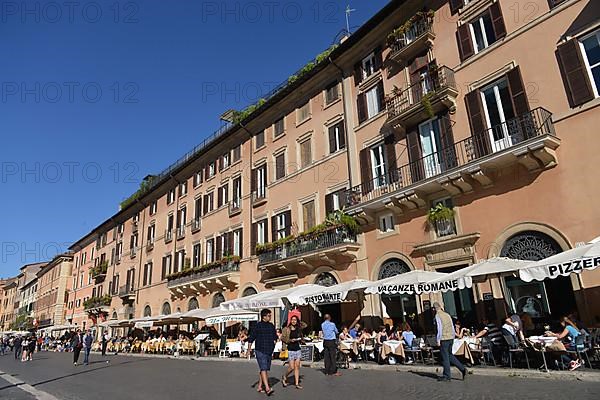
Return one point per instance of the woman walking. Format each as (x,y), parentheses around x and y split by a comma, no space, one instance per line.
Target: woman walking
(292,336)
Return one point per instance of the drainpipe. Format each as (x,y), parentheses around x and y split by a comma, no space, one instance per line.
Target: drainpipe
(346,126)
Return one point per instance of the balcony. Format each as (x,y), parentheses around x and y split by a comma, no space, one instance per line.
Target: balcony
(168,235)
(528,140)
(334,246)
(97,304)
(235,207)
(99,271)
(216,276)
(180,232)
(423,99)
(415,36)
(259,197)
(127,292)
(196,225)
(150,245)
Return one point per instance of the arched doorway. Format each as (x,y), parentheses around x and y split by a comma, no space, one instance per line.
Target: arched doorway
(401,307)
(539,299)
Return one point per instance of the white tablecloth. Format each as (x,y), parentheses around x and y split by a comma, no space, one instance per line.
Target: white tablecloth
(546,340)
(318,345)
(393,344)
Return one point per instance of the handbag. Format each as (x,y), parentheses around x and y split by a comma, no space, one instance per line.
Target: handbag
(283,355)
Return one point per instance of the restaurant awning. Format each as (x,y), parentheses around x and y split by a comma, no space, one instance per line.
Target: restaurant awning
(576,260)
(254,302)
(217,316)
(483,270)
(327,295)
(413,282)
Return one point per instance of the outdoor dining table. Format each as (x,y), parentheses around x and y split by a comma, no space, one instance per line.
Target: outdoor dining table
(394,347)
(463,348)
(349,345)
(546,344)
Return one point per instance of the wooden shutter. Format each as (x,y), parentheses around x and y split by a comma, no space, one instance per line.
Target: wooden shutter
(380,96)
(288,223)
(517,91)
(366,174)
(415,156)
(497,20)
(253,238)
(392,163)
(361,104)
(254,180)
(205,204)
(206,173)
(274,228)
(332,139)
(230,243)
(479,131)
(574,73)
(267,230)
(465,44)
(329,203)
(220,163)
(378,58)
(241,242)
(220,196)
(455,5)
(219,246)
(280,166)
(358,73)
(342,134)
(448,151)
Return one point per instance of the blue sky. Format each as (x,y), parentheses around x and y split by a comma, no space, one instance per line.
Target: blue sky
(96,95)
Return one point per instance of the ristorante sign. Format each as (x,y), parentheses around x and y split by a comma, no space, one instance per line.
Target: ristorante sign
(324,298)
(430,287)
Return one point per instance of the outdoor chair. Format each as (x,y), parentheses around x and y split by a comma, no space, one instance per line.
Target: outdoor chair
(515,347)
(581,347)
(431,349)
(223,347)
(368,349)
(415,350)
(343,358)
(486,351)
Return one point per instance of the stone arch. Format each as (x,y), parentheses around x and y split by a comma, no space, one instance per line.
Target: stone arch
(193,304)
(166,308)
(326,279)
(324,269)
(250,290)
(385,258)
(147,311)
(218,298)
(497,246)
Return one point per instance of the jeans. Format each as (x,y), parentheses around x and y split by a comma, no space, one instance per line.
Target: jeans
(330,353)
(86,356)
(104,345)
(18,351)
(449,358)
(76,351)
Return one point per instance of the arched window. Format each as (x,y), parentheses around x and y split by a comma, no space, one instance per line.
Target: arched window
(249,291)
(166,309)
(193,304)
(326,279)
(393,267)
(218,299)
(114,315)
(147,311)
(530,246)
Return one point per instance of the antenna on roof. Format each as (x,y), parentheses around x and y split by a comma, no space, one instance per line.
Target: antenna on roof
(348,11)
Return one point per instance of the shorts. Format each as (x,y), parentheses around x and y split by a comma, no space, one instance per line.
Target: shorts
(264,361)
(294,355)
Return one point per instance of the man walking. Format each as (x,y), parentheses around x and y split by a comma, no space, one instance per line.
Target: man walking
(330,333)
(105,338)
(445,339)
(17,347)
(264,336)
(88,340)
(77,345)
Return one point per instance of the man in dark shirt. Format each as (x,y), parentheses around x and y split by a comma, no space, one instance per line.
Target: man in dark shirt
(264,336)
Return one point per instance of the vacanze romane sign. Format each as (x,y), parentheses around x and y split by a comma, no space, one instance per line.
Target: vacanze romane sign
(418,287)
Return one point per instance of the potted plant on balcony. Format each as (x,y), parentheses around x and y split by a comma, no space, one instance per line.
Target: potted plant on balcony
(439,213)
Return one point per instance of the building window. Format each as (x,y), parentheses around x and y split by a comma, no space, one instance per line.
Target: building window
(378,165)
(151,234)
(237,242)
(303,113)
(308,215)
(386,223)
(236,196)
(210,250)
(197,179)
(373,106)
(332,93)
(153,207)
(369,65)
(261,232)
(259,140)
(591,50)
(170,223)
(196,255)
(223,195)
(280,166)
(335,201)
(259,182)
(147,274)
(337,137)
(182,189)
(180,261)
(171,196)
(211,169)
(237,153)
(225,160)
(305,153)
(498,109)
(166,266)
(482,32)
(279,127)
(446,226)
(209,202)
(281,227)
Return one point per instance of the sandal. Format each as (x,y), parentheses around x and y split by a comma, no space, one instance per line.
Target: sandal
(299,387)
(260,390)
(270,392)
(284,381)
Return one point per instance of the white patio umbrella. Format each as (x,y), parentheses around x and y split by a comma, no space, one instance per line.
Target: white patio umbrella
(254,302)
(413,282)
(327,295)
(481,271)
(176,318)
(217,316)
(577,260)
(291,294)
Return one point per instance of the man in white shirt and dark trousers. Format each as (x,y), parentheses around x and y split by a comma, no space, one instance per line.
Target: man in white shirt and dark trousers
(445,339)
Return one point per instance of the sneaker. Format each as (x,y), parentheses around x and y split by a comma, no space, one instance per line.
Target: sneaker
(464,372)
(410,362)
(574,365)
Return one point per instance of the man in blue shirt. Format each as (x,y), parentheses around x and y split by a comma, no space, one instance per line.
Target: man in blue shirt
(330,333)
(264,337)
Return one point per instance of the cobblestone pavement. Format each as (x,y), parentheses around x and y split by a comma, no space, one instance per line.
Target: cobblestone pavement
(52,376)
